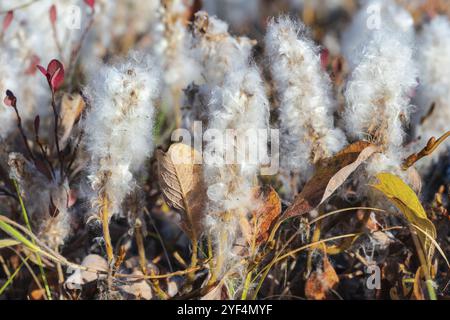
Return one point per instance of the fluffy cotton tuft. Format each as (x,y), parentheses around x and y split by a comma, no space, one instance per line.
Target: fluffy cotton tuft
(434,65)
(119,125)
(215,49)
(373,17)
(304,90)
(379,91)
(47,200)
(239,105)
(216,52)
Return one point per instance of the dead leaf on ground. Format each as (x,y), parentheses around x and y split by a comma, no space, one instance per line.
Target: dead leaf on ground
(138,289)
(181,182)
(80,277)
(330,174)
(321,282)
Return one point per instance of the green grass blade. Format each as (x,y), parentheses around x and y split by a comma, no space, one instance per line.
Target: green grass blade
(5,243)
(11,278)
(38,257)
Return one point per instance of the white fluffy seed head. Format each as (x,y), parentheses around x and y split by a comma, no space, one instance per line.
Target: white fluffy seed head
(216,53)
(373,17)
(433,56)
(379,91)
(306,107)
(215,49)
(119,125)
(238,107)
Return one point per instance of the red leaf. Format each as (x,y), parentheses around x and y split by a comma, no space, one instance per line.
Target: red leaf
(8,19)
(90,3)
(53,14)
(42,69)
(55,74)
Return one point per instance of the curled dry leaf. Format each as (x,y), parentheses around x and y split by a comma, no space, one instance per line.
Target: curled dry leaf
(267,212)
(182,185)
(71,107)
(330,174)
(320,282)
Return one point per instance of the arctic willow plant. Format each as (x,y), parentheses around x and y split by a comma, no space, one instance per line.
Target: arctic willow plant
(306,107)
(240,104)
(118,131)
(378,95)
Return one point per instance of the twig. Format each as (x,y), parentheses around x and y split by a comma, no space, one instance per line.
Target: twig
(44,153)
(56,120)
(74,153)
(13,101)
(427,150)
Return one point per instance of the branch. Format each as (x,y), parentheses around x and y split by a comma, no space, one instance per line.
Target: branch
(429,148)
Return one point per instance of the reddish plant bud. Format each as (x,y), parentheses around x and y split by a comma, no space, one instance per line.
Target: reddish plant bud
(8,19)
(324,58)
(54,74)
(90,3)
(10,99)
(53,14)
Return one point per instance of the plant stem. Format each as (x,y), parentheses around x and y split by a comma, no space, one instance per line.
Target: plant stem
(56,120)
(425,265)
(106,235)
(22,133)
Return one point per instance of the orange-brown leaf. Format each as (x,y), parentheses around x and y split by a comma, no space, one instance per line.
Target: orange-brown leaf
(319,283)
(330,174)
(267,213)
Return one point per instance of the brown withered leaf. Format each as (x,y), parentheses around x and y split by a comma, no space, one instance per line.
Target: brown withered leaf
(181,182)
(71,107)
(330,174)
(267,212)
(319,283)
